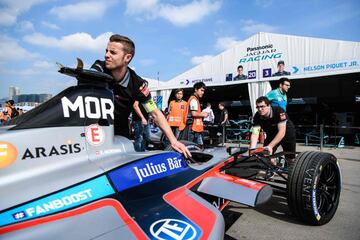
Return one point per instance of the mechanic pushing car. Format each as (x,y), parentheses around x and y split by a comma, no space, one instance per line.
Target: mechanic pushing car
(129,87)
(277,125)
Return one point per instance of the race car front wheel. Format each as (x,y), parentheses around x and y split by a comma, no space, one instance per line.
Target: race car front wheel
(314,187)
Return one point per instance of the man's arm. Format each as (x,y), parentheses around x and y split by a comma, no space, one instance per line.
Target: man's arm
(225,118)
(201,114)
(279,136)
(160,121)
(139,113)
(194,106)
(144,97)
(255,131)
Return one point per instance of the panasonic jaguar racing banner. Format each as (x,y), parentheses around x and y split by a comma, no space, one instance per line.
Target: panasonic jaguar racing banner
(267,56)
(72,197)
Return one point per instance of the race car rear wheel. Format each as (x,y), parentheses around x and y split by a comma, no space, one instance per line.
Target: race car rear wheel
(314,187)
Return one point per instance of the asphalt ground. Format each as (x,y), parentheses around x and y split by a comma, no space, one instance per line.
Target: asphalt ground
(273,220)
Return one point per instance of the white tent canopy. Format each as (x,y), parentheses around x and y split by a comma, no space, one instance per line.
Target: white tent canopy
(304,57)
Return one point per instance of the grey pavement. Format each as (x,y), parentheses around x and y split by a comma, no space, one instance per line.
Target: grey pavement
(274,221)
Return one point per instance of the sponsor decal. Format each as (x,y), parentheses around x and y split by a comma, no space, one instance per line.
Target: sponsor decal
(252,74)
(144,89)
(173,229)
(332,66)
(40,152)
(8,154)
(260,58)
(187,81)
(108,151)
(149,106)
(89,107)
(147,170)
(313,196)
(307,188)
(95,135)
(265,52)
(259,48)
(266,72)
(228,77)
(72,197)
(295,69)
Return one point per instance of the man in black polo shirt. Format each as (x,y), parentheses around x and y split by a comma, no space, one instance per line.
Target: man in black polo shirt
(128,87)
(277,125)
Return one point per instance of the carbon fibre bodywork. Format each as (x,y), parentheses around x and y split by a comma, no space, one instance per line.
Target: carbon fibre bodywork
(64,175)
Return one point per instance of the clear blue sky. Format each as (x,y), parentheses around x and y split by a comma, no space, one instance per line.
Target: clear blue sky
(171,36)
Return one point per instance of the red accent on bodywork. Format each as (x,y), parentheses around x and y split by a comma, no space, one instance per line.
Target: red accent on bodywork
(195,211)
(202,216)
(241,181)
(257,150)
(131,224)
(192,209)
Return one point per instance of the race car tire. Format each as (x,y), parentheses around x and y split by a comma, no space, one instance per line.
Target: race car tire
(313,187)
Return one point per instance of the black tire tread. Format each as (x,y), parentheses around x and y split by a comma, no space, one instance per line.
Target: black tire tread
(304,161)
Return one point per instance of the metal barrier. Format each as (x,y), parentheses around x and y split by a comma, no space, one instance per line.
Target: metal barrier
(315,135)
(320,136)
(212,131)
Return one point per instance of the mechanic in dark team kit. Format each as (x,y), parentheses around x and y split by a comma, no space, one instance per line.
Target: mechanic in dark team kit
(129,87)
(277,125)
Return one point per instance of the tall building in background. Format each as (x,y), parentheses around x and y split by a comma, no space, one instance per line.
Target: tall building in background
(13,91)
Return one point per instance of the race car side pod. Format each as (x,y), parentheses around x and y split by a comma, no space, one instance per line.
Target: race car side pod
(236,189)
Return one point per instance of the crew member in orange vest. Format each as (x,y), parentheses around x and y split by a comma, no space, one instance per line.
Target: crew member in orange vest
(193,125)
(177,110)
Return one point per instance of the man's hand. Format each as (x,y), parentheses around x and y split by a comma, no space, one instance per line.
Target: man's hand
(270,149)
(180,147)
(144,121)
(205,114)
(160,120)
